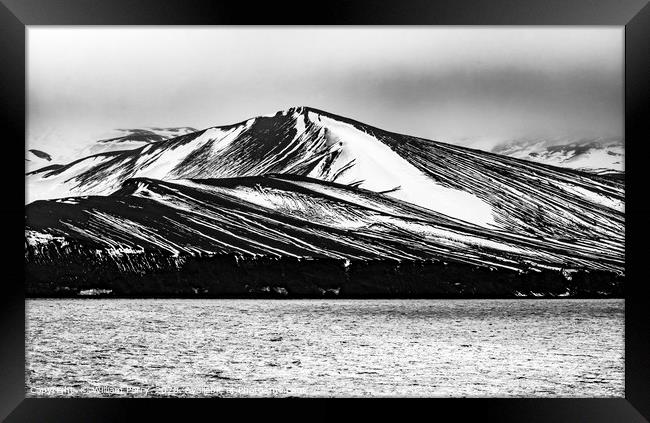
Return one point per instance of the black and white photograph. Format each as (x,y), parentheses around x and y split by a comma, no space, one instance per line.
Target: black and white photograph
(304,211)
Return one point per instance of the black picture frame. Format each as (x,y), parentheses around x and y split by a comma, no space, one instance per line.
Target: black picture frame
(15,15)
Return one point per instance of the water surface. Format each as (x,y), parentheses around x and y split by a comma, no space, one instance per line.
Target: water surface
(463,348)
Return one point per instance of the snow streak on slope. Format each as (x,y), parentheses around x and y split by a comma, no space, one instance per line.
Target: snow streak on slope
(362,158)
(527,198)
(287,217)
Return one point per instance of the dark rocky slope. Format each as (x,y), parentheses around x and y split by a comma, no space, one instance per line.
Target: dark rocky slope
(291,236)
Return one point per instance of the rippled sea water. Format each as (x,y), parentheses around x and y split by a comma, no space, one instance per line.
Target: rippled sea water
(434,348)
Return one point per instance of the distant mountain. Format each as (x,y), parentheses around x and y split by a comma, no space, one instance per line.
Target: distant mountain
(115,140)
(307,201)
(604,156)
(128,139)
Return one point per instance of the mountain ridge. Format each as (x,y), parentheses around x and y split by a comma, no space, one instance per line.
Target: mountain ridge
(316,149)
(411,217)
(599,155)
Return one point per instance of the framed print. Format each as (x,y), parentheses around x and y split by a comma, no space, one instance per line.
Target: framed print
(428,201)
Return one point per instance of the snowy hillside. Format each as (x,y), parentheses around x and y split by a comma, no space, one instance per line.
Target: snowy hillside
(150,225)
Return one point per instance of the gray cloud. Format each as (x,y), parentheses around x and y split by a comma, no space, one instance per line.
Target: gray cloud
(447,83)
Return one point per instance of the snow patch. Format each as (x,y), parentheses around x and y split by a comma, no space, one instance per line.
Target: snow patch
(379,169)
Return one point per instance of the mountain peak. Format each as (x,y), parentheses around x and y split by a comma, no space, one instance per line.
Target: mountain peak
(464,184)
(294,110)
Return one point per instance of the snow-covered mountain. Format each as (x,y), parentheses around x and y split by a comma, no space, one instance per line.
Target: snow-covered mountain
(304,184)
(604,156)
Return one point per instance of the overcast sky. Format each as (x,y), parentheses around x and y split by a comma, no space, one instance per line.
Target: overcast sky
(456,84)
